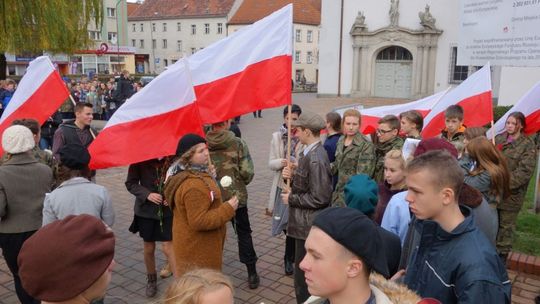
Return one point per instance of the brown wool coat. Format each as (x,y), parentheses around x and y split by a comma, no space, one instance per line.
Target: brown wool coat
(198,222)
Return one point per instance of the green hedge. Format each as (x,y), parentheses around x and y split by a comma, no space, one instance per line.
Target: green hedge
(499,111)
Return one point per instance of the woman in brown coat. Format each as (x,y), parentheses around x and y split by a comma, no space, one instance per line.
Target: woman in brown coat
(199,214)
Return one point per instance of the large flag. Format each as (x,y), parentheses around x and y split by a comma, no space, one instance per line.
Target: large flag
(371,116)
(529,105)
(247,71)
(473,94)
(150,123)
(39,94)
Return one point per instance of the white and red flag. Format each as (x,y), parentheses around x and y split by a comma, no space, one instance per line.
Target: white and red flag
(39,94)
(473,94)
(371,116)
(529,105)
(247,71)
(150,123)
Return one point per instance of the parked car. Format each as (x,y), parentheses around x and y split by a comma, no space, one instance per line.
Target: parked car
(146,80)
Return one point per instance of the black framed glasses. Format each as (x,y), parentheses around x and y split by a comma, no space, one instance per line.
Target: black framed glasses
(381,132)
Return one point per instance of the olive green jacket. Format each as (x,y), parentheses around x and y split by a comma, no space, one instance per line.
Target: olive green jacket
(381,149)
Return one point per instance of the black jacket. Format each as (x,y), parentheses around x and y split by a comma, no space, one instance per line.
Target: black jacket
(51,124)
(124,89)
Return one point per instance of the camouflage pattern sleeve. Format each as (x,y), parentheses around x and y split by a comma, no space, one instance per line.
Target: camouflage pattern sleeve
(366,160)
(524,168)
(246,169)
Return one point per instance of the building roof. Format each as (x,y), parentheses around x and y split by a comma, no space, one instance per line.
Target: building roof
(131,7)
(168,9)
(304,11)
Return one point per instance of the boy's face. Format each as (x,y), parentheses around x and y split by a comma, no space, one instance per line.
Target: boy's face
(325,264)
(351,125)
(10,87)
(385,132)
(301,134)
(425,199)
(452,124)
(407,126)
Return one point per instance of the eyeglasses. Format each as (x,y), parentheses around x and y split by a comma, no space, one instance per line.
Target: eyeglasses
(381,132)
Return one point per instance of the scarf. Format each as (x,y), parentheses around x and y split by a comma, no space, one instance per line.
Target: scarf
(294,141)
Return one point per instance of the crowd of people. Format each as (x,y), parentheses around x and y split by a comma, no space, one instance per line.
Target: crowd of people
(363,223)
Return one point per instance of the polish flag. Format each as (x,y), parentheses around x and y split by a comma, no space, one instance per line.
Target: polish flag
(150,123)
(529,105)
(473,94)
(247,71)
(371,116)
(39,94)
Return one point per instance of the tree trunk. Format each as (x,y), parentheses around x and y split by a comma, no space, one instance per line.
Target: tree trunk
(3,66)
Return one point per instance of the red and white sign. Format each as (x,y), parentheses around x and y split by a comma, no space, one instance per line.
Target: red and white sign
(529,105)
(39,94)
(247,71)
(473,94)
(150,123)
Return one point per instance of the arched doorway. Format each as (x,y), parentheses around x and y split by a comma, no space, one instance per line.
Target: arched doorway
(393,73)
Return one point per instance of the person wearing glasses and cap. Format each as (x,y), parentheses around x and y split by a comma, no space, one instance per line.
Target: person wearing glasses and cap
(387,140)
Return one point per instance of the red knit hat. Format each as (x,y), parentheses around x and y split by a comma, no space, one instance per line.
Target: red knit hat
(65,257)
(435,143)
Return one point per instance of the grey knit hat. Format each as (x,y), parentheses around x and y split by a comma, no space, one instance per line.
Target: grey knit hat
(17,139)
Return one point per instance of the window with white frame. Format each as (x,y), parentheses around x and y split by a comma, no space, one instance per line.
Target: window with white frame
(153,27)
(153,43)
(141,43)
(207,28)
(179,45)
(193,29)
(142,27)
(458,73)
(111,12)
(297,56)
(309,37)
(164,43)
(133,43)
(164,27)
(298,35)
(309,57)
(178,26)
(134,28)
(220,28)
(111,36)
(94,35)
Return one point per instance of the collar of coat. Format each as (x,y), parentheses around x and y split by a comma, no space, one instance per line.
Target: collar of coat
(21,158)
(74,181)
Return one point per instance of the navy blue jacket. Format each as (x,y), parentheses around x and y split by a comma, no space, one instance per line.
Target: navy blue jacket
(461,266)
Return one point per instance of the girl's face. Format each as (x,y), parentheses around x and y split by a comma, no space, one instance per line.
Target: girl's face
(394,173)
(294,117)
(512,126)
(406,126)
(201,155)
(222,295)
(351,124)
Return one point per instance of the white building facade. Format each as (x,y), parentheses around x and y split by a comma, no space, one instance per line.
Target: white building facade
(401,49)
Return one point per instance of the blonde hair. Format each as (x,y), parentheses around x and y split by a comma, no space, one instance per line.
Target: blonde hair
(396,155)
(190,287)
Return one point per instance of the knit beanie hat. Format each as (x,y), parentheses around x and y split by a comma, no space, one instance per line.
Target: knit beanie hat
(187,141)
(74,156)
(435,143)
(64,258)
(361,193)
(17,139)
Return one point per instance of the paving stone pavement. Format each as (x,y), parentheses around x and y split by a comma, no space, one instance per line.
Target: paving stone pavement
(129,278)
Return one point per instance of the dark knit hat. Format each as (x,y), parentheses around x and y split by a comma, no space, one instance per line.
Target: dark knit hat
(361,193)
(187,142)
(356,232)
(65,257)
(74,156)
(435,143)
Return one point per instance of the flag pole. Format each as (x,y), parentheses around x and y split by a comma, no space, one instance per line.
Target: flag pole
(289,110)
(492,133)
(72,100)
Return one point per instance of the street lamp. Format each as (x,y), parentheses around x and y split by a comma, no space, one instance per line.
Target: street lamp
(117,37)
(152,44)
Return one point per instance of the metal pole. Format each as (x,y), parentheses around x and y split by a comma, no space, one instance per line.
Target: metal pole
(117,37)
(537,187)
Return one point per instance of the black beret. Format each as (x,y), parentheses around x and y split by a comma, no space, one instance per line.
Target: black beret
(74,156)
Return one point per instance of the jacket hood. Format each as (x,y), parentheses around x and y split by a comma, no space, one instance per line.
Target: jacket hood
(219,140)
(174,182)
(470,196)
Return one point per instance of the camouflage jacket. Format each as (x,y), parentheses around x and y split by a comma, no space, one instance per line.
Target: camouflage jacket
(230,156)
(380,151)
(458,136)
(357,158)
(521,157)
(41,156)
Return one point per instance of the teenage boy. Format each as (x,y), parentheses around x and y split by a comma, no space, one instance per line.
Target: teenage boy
(453,119)
(311,190)
(387,139)
(339,260)
(454,262)
(412,123)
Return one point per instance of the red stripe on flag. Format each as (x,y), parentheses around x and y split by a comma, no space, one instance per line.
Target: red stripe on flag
(532,121)
(143,139)
(265,84)
(478,111)
(47,98)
